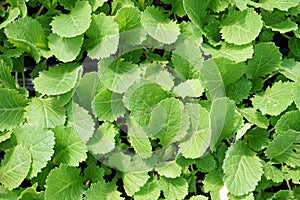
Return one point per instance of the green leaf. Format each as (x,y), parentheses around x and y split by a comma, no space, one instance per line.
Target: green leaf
(15,167)
(39,142)
(241,4)
(81,121)
(213,184)
(255,117)
(138,139)
(13,14)
(6,79)
(239,90)
(236,53)
(5,136)
(30,193)
(108,106)
(175,188)
(103,140)
(257,139)
(290,69)
(75,23)
(140,98)
(189,88)
(157,73)
(279,4)
(134,181)
(196,11)
(28,35)
(169,169)
(275,99)
(230,71)
(103,36)
(218,6)
(69,149)
(197,140)
(103,191)
(119,75)
(149,191)
(88,87)
(294,45)
(290,120)
(296,94)
(57,80)
(273,173)
(242,169)
(265,60)
(241,27)
(44,113)
(94,173)
(130,26)
(285,148)
(11,109)
(158,26)
(64,182)
(173,111)
(65,49)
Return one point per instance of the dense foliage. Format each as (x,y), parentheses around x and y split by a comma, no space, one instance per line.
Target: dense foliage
(171,99)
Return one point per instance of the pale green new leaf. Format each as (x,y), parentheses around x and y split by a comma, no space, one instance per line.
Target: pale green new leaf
(241,27)
(273,173)
(5,135)
(134,181)
(242,169)
(103,191)
(108,106)
(241,4)
(65,49)
(130,26)
(15,167)
(218,6)
(13,13)
(236,53)
(158,26)
(44,113)
(296,94)
(279,4)
(12,106)
(75,23)
(169,169)
(174,188)
(103,36)
(57,80)
(255,117)
(119,75)
(139,99)
(290,69)
(103,140)
(69,149)
(285,148)
(189,88)
(138,139)
(265,60)
(63,183)
(197,140)
(149,191)
(199,197)
(81,121)
(39,142)
(28,35)
(275,99)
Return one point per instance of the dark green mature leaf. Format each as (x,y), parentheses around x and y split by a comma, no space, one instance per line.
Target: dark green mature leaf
(213,184)
(294,45)
(290,120)
(75,23)
(64,182)
(6,79)
(15,167)
(12,106)
(285,148)
(239,90)
(242,169)
(196,11)
(265,60)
